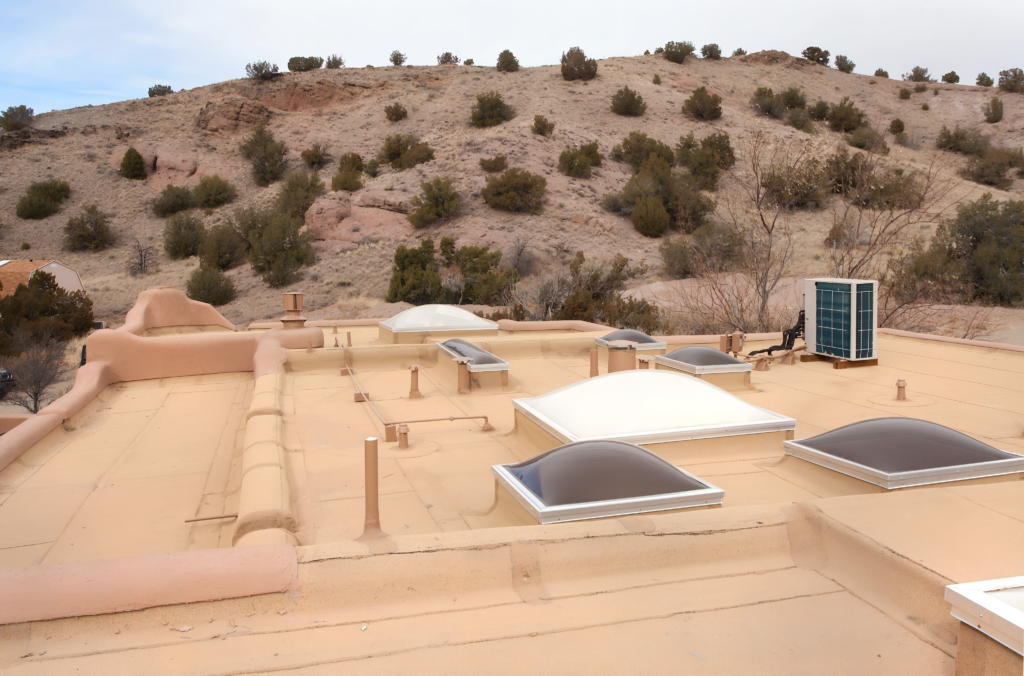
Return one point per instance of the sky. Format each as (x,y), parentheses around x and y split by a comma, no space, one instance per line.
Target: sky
(62,54)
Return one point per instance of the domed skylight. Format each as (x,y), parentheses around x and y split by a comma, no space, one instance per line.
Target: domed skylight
(592,479)
(643,341)
(480,359)
(898,452)
(698,360)
(437,318)
(646,406)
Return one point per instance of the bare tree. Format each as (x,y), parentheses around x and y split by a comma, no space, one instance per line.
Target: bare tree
(37,370)
(141,259)
(519,256)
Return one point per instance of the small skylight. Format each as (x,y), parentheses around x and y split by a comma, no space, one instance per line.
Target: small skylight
(995,607)
(480,359)
(437,318)
(646,406)
(594,479)
(643,341)
(900,452)
(698,360)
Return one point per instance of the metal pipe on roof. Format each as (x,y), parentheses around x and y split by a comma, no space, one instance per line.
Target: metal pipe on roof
(487,427)
(371,524)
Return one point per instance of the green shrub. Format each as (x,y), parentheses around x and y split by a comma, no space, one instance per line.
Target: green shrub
(415,277)
(629,103)
(396,146)
(993,110)
(637,147)
(542,126)
(844,116)
(438,201)
(25,246)
(800,118)
(515,190)
(704,161)
(592,153)
(882,73)
(418,154)
(160,90)
(951,77)
(132,165)
(657,79)
(904,93)
(1012,80)
(711,51)
(334,62)
(816,55)
(210,285)
(984,241)
(917,74)
(867,138)
(15,118)
(767,103)
(278,246)
(89,231)
(491,110)
(495,164)
(739,51)
(574,163)
(173,199)
(397,58)
(968,142)
(703,106)
(720,148)
(795,187)
(925,106)
(301,64)
(703,166)
(677,258)
(213,191)
(372,168)
(844,64)
(920,87)
(649,216)
(507,62)
(261,71)
(717,248)
(576,65)
(42,199)
(448,59)
(659,50)
(316,156)
(676,52)
(990,169)
(818,111)
(395,112)
(902,139)
(984,80)
(266,154)
(298,193)
(896,126)
(183,235)
(351,162)
(222,248)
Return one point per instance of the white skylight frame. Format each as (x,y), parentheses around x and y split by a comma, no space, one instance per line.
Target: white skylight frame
(695,370)
(973,603)
(702,392)
(892,480)
(446,318)
(710,495)
(476,368)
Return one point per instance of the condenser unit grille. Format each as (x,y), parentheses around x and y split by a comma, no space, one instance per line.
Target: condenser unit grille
(865,321)
(833,319)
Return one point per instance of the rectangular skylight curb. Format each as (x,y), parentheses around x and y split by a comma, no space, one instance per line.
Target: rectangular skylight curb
(972,604)
(436,329)
(701,370)
(476,368)
(712,495)
(893,480)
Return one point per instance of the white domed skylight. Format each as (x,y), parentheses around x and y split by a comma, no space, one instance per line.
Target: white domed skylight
(646,406)
(437,318)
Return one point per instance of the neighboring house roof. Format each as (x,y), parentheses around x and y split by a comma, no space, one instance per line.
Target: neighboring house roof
(15,272)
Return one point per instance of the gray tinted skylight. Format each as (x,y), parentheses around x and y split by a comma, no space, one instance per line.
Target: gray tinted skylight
(643,341)
(591,479)
(480,359)
(897,452)
(698,359)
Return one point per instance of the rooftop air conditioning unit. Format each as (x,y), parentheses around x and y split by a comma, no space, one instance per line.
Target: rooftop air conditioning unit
(841,318)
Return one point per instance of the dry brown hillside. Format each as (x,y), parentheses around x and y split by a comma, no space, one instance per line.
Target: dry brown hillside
(197,132)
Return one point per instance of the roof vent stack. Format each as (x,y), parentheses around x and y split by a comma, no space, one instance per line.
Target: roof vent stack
(293,318)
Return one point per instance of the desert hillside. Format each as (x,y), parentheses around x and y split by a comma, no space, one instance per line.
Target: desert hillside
(190,134)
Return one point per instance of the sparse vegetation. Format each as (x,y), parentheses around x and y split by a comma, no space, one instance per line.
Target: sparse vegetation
(920,87)
(844,65)
(89,231)
(844,116)
(628,103)
(984,80)
(141,259)
(702,105)
(739,51)
(301,64)
(712,51)
(173,199)
(468,62)
(816,55)
(542,126)
(574,162)
(494,164)
(657,79)
(767,102)
(397,58)
(448,59)
(210,285)
(351,162)
(334,62)
(993,110)
(405,152)
(1012,80)
(917,74)
(160,90)
(507,62)
(261,71)
(515,190)
(316,156)
(438,200)
(395,112)
(818,111)
(576,65)
(42,199)
(925,107)
(183,235)
(222,248)
(491,110)
(132,166)
(951,77)
(266,154)
(867,138)
(348,180)
(372,168)
(904,93)
(637,147)
(298,193)
(15,118)
(676,52)
(879,72)
(896,126)
(213,191)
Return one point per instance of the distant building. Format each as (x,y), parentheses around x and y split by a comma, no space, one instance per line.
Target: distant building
(13,273)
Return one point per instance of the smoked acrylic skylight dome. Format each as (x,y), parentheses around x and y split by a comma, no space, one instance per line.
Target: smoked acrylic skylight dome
(645,406)
(479,359)
(434,319)
(594,479)
(642,340)
(900,452)
(698,360)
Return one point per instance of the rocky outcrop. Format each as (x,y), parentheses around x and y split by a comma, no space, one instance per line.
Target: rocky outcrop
(327,213)
(389,200)
(232,114)
(15,139)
